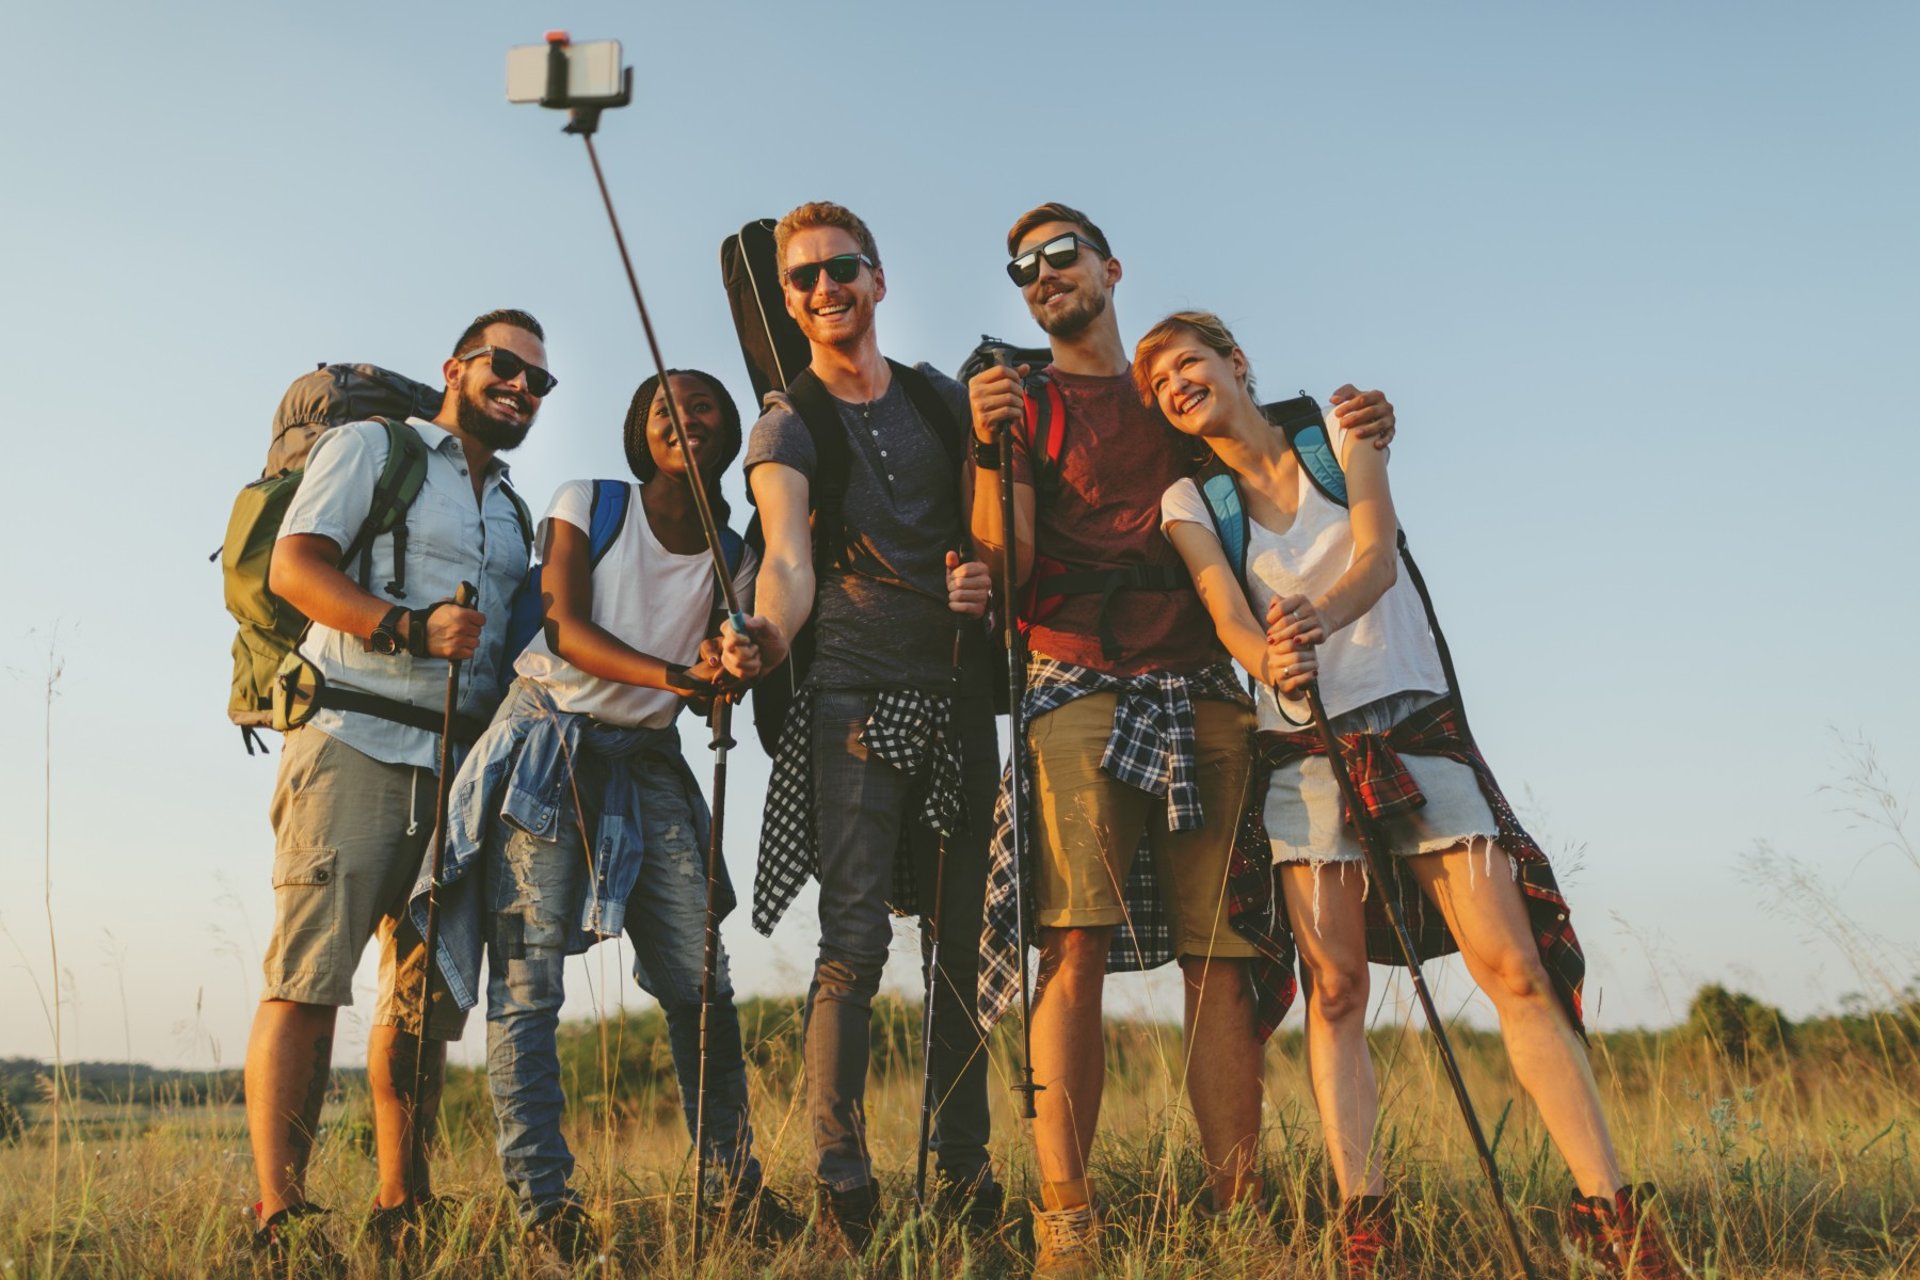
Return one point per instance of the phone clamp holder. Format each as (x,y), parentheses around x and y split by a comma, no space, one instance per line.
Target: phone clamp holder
(584,113)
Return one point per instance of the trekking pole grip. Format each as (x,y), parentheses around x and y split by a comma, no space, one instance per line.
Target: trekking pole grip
(467,595)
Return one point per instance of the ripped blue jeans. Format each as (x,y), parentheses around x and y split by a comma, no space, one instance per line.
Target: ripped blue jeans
(534,897)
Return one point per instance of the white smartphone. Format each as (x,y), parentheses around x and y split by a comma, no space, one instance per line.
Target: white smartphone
(593,71)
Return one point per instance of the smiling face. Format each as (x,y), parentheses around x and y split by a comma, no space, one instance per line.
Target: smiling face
(1065,300)
(831,314)
(702,415)
(1197,388)
(497,411)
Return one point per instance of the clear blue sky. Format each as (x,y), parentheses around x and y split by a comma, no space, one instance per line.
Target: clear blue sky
(1640,278)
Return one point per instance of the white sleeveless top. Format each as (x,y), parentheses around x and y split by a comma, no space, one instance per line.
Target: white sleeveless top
(651,598)
(1387,650)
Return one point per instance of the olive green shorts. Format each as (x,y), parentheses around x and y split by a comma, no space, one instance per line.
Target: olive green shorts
(1089,824)
(349,834)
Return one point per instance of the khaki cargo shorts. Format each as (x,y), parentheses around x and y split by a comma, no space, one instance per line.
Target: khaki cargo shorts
(343,864)
(1089,825)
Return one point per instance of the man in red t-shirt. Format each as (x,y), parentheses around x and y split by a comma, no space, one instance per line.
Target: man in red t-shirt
(1139,730)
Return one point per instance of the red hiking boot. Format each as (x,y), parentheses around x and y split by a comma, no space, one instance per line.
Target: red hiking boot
(1619,1235)
(1369,1228)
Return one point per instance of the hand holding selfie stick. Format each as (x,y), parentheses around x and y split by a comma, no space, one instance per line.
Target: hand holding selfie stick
(1379,865)
(585,121)
(720,718)
(933,981)
(1016,739)
(466,597)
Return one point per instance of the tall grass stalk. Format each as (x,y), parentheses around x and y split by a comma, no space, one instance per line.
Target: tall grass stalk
(55,666)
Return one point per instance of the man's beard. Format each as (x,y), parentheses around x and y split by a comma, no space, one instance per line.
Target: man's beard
(863,315)
(490,431)
(1074,321)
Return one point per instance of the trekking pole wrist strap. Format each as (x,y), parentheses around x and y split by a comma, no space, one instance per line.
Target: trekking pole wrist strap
(417,629)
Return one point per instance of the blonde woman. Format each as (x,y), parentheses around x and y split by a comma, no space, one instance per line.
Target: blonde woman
(1322,597)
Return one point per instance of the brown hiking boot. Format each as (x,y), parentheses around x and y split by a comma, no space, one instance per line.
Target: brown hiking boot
(1066,1243)
(1621,1237)
(1369,1231)
(293,1243)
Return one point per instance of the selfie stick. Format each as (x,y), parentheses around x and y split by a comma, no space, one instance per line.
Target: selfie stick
(1016,743)
(585,120)
(1380,866)
(465,597)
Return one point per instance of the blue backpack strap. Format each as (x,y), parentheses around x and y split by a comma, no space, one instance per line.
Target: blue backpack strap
(1306,430)
(606,516)
(734,548)
(1221,490)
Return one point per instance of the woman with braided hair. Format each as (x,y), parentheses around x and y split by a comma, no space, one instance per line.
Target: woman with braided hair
(587,820)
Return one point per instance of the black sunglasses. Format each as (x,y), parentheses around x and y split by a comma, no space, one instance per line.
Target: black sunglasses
(1060,253)
(508,366)
(841,269)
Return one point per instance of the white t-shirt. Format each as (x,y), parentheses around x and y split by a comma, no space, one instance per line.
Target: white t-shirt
(644,595)
(1388,649)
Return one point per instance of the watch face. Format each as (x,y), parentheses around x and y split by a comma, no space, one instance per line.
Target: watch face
(385,642)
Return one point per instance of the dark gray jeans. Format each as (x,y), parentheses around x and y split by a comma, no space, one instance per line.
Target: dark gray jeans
(864,806)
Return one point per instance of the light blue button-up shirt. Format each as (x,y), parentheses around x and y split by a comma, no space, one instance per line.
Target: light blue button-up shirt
(451,539)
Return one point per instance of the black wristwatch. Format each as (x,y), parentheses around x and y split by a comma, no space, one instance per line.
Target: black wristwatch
(986,454)
(387,639)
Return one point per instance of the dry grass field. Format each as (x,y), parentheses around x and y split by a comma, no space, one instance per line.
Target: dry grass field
(1780,1152)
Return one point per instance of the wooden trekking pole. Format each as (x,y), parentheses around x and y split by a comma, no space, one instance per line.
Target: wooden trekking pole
(1380,866)
(466,597)
(1016,743)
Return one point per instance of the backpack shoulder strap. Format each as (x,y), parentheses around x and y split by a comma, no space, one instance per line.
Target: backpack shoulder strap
(832,467)
(734,548)
(1046,432)
(1220,489)
(522,515)
(398,484)
(932,409)
(1306,431)
(606,515)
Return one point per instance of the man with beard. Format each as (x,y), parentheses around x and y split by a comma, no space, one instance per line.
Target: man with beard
(353,804)
(884,747)
(1137,732)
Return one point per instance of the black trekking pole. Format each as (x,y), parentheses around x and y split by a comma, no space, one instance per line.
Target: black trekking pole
(720,718)
(1016,743)
(466,597)
(1380,866)
(933,983)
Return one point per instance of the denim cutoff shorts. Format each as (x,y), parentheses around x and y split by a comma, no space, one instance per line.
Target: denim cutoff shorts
(1306,819)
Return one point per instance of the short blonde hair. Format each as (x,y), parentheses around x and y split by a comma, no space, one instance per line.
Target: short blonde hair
(1209,328)
(822,213)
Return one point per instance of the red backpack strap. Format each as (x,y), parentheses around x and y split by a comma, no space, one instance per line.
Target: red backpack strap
(1046,426)
(1046,433)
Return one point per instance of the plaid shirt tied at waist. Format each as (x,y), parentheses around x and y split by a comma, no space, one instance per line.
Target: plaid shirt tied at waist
(910,730)
(1152,748)
(1385,787)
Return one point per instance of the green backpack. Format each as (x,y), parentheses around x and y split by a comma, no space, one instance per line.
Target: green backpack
(270,630)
